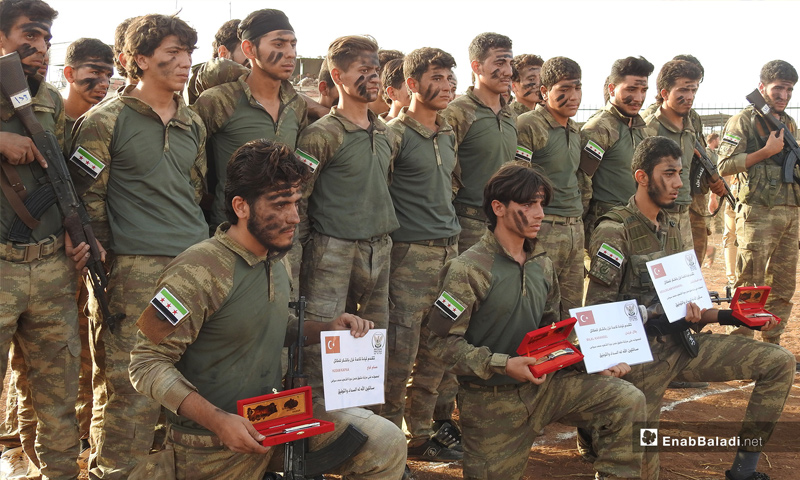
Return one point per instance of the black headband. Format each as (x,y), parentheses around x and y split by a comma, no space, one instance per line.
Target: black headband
(265,25)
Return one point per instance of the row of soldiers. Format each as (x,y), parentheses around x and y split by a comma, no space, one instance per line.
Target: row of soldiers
(385,207)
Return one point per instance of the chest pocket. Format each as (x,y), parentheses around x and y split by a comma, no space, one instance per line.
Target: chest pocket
(641,285)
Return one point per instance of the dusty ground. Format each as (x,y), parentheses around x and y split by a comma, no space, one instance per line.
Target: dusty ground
(553,455)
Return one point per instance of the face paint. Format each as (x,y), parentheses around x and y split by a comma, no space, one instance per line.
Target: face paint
(628,100)
(431,93)
(361,86)
(681,100)
(561,100)
(496,73)
(530,88)
(89,84)
(520,221)
(274,57)
(26,50)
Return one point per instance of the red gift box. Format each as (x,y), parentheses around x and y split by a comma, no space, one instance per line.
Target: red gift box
(748,306)
(284,416)
(546,340)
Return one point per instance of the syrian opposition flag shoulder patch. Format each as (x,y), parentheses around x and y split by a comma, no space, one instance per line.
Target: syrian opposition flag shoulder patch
(87,162)
(731,139)
(610,255)
(169,306)
(449,306)
(308,159)
(594,150)
(523,154)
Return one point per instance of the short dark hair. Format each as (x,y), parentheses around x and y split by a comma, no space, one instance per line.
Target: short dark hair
(479,46)
(516,181)
(392,76)
(417,62)
(778,70)
(557,69)
(258,167)
(522,61)
(672,71)
(227,36)
(345,50)
(146,33)
(637,67)
(11,10)
(692,59)
(711,136)
(119,44)
(385,56)
(86,49)
(651,150)
(325,74)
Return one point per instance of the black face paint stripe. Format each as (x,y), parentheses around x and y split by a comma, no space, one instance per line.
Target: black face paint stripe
(26,50)
(496,73)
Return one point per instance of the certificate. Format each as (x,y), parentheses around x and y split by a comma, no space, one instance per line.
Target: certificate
(611,333)
(678,281)
(353,369)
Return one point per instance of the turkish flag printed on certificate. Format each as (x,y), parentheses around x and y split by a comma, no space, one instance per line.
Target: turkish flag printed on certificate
(332,345)
(658,271)
(585,318)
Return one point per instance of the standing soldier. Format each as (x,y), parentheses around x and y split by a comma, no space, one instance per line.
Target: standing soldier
(485,129)
(149,148)
(228,62)
(421,189)
(552,136)
(525,82)
(766,221)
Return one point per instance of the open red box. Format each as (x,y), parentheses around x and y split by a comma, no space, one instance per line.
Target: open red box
(547,340)
(284,416)
(748,305)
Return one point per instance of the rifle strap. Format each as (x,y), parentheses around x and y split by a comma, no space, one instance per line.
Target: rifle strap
(15,192)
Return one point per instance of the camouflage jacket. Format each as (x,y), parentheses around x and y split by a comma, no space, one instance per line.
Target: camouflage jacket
(519,108)
(190,336)
(216,71)
(488,303)
(685,137)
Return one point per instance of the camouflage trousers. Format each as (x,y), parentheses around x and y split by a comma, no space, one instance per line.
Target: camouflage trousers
(681,215)
(473,226)
(413,288)
(771,366)
(564,243)
(699,225)
(498,427)
(729,243)
(383,457)
(343,276)
(596,210)
(123,420)
(38,311)
(768,243)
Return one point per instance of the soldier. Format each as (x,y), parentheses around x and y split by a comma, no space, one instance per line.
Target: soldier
(485,128)
(610,136)
(380,106)
(395,92)
(261,104)
(552,136)
(328,95)
(144,204)
(228,63)
(525,82)
(728,215)
(88,68)
(39,281)
(346,257)
(766,221)
(422,176)
(644,230)
(198,366)
(119,52)
(499,290)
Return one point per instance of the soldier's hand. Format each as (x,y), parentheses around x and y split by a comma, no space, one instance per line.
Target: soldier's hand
(19,150)
(517,368)
(358,326)
(713,203)
(717,187)
(238,434)
(774,143)
(619,370)
(771,323)
(81,253)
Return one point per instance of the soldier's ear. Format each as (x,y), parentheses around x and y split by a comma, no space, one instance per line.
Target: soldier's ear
(498,208)
(664,93)
(762,89)
(240,207)
(249,49)
(641,177)
(476,67)
(336,75)
(543,91)
(69,73)
(611,89)
(412,84)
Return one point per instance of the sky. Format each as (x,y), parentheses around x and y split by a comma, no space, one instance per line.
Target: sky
(721,34)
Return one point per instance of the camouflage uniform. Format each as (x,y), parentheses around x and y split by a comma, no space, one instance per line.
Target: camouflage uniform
(421,186)
(767,214)
(144,209)
(557,150)
(609,139)
(632,234)
(519,108)
(214,72)
(501,301)
(485,140)
(232,118)
(346,259)
(37,294)
(221,287)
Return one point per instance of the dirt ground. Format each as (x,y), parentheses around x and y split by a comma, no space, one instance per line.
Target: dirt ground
(553,455)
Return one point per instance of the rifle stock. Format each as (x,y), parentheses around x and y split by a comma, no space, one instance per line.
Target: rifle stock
(765,112)
(76,221)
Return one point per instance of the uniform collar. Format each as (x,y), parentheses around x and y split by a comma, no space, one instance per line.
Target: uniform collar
(663,218)
(182,118)
(551,121)
(376,123)
(221,235)
(287,92)
(638,121)
(421,129)
(533,248)
(687,124)
(505,109)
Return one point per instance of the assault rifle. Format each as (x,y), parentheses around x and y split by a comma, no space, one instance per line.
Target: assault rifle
(299,463)
(59,189)
(765,112)
(709,169)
